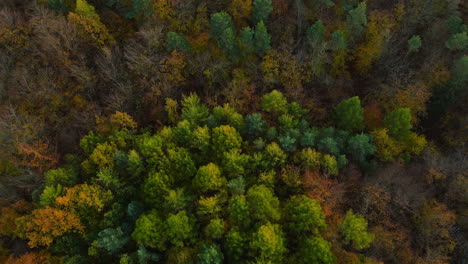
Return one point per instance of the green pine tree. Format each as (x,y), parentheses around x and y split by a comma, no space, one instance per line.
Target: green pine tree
(261,39)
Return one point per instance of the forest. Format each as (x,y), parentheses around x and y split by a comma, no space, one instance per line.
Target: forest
(233,131)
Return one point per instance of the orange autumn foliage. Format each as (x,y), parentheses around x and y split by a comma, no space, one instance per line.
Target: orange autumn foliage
(37,155)
(416,96)
(345,257)
(280,6)
(84,198)
(378,204)
(41,257)
(329,192)
(200,43)
(45,225)
(390,236)
(390,241)
(373,116)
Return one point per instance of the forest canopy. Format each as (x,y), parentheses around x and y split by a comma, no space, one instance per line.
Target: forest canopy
(233,131)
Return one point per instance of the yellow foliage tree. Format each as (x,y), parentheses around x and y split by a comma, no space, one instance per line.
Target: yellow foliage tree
(103,155)
(377,30)
(270,67)
(84,9)
(163,9)
(415,143)
(117,121)
(45,225)
(171,109)
(92,29)
(90,25)
(386,147)
(339,66)
(84,199)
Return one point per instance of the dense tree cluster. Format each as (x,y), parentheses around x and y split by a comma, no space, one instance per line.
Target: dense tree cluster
(201,190)
(240,131)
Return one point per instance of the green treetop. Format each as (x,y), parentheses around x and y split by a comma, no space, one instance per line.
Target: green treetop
(273,156)
(349,115)
(201,139)
(227,115)
(49,194)
(457,41)
(329,164)
(150,230)
(112,239)
(219,23)
(398,123)
(141,8)
(354,231)
(304,215)
(316,34)
(210,254)
(357,19)
(261,39)
(235,245)
(225,138)
(263,203)
(255,125)
(235,163)
(275,103)
(315,250)
(268,244)
(228,44)
(180,229)
(63,176)
(215,229)
(176,41)
(156,187)
(208,178)
(455,25)
(261,10)
(239,211)
(247,39)
(193,110)
(338,40)
(360,147)
(414,43)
